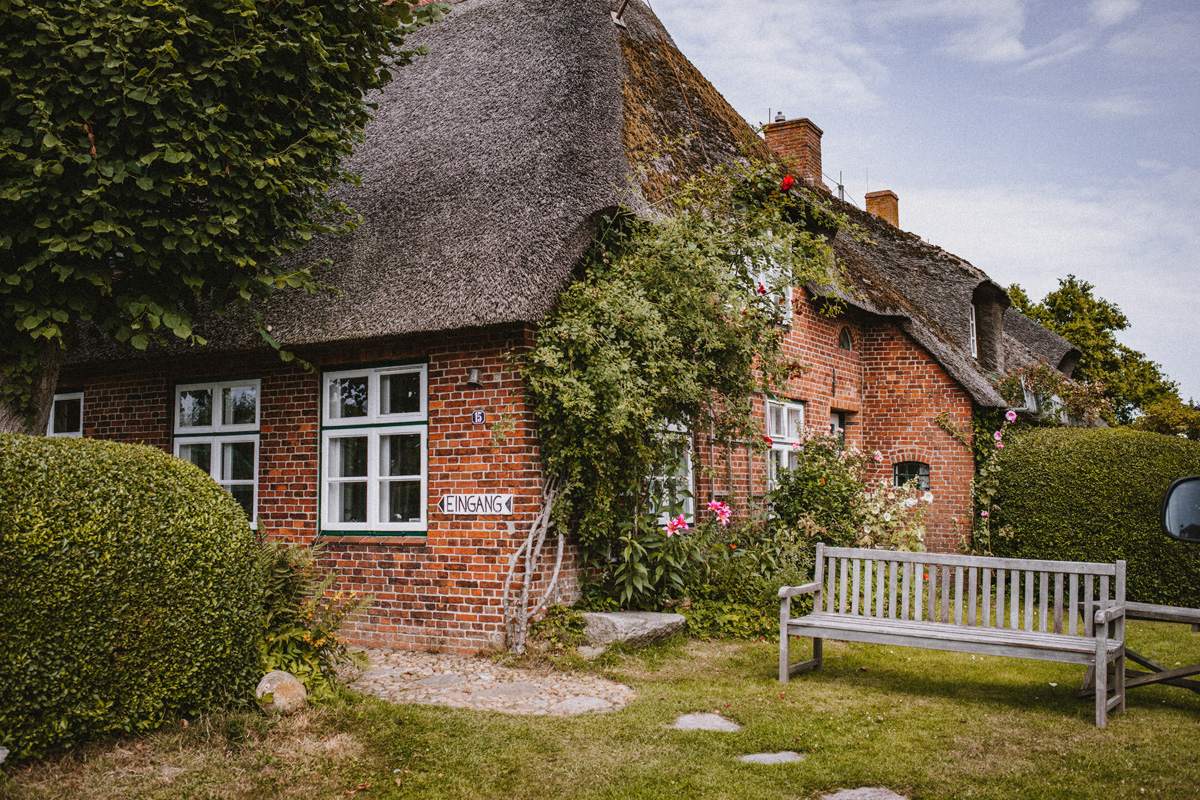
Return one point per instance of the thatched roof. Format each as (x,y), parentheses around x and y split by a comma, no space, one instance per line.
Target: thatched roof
(1027,342)
(492,160)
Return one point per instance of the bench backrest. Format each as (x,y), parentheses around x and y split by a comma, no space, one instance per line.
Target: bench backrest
(966,590)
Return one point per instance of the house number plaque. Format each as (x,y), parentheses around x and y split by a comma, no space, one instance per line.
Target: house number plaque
(476,504)
(478,417)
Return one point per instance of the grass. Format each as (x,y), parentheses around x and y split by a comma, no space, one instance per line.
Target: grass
(922,723)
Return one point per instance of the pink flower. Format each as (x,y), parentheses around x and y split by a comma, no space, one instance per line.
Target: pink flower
(676,525)
(983,514)
(722,510)
(788,180)
(878,457)
(999,445)
(997,435)
(1011,416)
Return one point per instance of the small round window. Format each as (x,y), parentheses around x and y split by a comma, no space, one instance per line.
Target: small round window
(845,341)
(905,471)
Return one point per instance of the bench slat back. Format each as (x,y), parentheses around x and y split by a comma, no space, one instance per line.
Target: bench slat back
(966,590)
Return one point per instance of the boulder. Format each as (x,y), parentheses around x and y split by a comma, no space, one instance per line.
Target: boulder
(634,628)
(282,692)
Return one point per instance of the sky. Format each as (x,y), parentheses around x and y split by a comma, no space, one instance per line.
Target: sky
(1034,138)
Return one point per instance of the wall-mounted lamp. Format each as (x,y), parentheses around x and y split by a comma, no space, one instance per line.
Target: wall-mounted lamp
(473,379)
(616,15)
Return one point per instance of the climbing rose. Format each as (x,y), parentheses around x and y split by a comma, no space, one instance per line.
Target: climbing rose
(761,289)
(1011,416)
(769,440)
(676,525)
(788,180)
(983,514)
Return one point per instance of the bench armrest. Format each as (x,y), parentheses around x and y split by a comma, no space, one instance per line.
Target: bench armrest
(792,591)
(1106,615)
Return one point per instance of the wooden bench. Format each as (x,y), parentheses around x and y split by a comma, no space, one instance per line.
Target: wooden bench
(957,602)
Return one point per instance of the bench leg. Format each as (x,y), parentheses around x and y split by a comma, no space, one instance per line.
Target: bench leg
(1101,674)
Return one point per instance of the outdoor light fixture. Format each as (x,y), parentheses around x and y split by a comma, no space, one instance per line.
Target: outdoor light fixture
(779,117)
(616,15)
(473,379)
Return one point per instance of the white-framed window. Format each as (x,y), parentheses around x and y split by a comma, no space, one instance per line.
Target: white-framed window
(784,422)
(217,429)
(374,448)
(675,491)
(769,282)
(66,415)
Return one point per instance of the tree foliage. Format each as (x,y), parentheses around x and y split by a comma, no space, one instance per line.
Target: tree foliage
(154,156)
(1131,381)
(674,320)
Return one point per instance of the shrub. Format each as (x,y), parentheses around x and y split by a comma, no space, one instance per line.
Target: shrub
(129,591)
(302,615)
(1095,495)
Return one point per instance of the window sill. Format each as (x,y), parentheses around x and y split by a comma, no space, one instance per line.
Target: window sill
(393,541)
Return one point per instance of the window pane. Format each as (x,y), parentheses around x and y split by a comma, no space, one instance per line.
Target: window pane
(905,471)
(348,397)
(349,502)
(68,415)
(244,494)
(401,501)
(239,405)
(198,454)
(237,461)
(795,421)
(400,394)
(349,457)
(401,455)
(195,408)
(776,420)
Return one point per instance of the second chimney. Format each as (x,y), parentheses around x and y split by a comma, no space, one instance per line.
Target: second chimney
(885,205)
(798,141)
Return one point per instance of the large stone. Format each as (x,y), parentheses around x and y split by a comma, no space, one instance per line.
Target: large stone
(287,692)
(865,793)
(634,628)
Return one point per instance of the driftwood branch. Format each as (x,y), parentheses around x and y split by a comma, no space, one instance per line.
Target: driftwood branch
(517,616)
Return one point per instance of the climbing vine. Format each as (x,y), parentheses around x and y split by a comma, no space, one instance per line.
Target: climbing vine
(675,319)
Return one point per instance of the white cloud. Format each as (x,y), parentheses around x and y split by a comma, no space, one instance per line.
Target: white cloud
(1135,241)
(1111,12)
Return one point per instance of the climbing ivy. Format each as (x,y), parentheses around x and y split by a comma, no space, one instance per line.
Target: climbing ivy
(675,319)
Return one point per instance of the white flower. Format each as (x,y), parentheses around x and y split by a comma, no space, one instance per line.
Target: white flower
(909,502)
(928,497)
(887,517)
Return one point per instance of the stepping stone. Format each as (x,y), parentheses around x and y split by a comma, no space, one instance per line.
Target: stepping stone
(705,722)
(510,691)
(442,679)
(580,704)
(786,757)
(865,793)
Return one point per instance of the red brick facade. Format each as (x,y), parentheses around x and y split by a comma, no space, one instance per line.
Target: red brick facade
(443,589)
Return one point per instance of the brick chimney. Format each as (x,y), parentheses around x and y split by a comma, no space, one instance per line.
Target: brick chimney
(798,141)
(885,205)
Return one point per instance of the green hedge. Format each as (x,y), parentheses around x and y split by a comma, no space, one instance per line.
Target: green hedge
(129,593)
(1095,495)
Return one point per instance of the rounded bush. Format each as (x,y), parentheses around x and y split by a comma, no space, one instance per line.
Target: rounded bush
(129,592)
(1095,495)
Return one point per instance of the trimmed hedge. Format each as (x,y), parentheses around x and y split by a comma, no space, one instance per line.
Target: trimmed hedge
(1095,495)
(129,592)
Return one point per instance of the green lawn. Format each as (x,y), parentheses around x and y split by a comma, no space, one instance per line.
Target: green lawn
(924,724)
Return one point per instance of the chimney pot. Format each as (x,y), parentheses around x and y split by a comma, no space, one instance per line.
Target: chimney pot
(779,117)
(885,205)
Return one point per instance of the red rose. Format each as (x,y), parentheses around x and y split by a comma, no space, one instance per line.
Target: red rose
(768,440)
(788,180)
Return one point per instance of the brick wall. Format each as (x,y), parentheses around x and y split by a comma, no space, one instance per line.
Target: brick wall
(890,391)
(798,141)
(438,590)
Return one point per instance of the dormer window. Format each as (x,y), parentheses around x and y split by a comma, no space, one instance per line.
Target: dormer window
(974,334)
